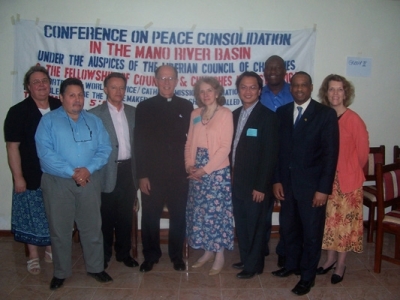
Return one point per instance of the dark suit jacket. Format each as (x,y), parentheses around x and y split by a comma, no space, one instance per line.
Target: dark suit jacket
(308,153)
(20,126)
(256,156)
(160,137)
(109,171)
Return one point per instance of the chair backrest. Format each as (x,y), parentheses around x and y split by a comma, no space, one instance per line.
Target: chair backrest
(396,153)
(376,155)
(387,186)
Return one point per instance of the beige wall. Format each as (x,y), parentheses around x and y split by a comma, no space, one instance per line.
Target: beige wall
(368,28)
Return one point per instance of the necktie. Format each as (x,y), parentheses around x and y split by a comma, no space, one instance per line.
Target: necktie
(299,108)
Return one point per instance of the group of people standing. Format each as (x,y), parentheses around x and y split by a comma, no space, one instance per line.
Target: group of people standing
(211,167)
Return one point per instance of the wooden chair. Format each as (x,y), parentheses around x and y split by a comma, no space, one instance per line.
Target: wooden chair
(388,191)
(164,233)
(396,153)
(376,155)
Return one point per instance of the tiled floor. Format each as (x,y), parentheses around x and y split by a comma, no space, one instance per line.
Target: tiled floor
(360,282)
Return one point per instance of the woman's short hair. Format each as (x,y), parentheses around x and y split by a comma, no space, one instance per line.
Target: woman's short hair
(33,69)
(219,89)
(347,87)
(70,81)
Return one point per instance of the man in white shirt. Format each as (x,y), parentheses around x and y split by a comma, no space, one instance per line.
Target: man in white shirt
(117,177)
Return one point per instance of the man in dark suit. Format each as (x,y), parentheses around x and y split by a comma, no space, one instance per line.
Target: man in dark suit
(162,123)
(309,146)
(253,156)
(117,176)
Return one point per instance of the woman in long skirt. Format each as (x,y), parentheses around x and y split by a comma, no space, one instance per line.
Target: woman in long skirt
(209,215)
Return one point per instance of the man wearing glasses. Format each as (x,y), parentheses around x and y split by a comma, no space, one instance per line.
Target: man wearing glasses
(72,146)
(117,177)
(162,123)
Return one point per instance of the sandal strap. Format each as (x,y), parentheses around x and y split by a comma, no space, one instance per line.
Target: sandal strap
(33,264)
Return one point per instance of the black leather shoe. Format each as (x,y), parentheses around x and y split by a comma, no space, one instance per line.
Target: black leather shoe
(147,265)
(303,287)
(247,275)
(102,277)
(129,262)
(281,261)
(337,278)
(284,272)
(322,271)
(238,266)
(179,265)
(56,283)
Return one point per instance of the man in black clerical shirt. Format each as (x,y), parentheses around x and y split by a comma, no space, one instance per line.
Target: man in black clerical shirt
(162,123)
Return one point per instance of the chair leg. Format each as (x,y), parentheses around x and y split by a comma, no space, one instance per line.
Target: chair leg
(397,248)
(75,234)
(371,221)
(378,251)
(134,235)
(186,249)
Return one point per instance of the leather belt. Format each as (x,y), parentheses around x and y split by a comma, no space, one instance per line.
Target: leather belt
(123,161)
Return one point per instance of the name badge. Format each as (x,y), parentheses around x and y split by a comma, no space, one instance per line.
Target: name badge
(251,132)
(197,120)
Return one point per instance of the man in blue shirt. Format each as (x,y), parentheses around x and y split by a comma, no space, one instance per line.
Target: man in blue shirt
(275,93)
(72,145)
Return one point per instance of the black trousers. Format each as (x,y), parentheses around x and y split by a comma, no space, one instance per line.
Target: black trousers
(117,212)
(302,228)
(250,223)
(173,192)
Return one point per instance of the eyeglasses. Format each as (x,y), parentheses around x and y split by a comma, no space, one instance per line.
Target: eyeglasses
(252,88)
(38,81)
(73,134)
(166,78)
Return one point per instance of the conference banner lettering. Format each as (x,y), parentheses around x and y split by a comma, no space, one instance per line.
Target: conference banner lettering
(90,53)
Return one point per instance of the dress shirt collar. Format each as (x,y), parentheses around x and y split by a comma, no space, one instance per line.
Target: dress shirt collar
(113,108)
(249,109)
(304,106)
(166,99)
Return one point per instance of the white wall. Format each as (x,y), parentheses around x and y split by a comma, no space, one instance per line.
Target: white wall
(368,28)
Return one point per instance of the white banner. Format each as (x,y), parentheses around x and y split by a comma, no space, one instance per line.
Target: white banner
(91,53)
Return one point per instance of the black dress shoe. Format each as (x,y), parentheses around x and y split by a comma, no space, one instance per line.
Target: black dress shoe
(281,261)
(284,272)
(247,275)
(321,270)
(238,266)
(56,283)
(337,278)
(102,277)
(303,287)
(179,265)
(147,265)
(129,262)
